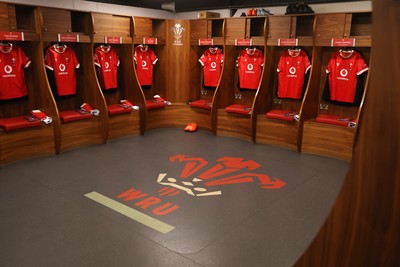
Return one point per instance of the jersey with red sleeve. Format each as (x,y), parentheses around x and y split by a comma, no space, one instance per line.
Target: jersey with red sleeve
(107,61)
(342,75)
(12,77)
(62,61)
(292,68)
(212,60)
(250,63)
(144,58)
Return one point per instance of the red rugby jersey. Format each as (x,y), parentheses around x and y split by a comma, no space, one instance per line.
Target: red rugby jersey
(250,63)
(62,61)
(107,61)
(292,68)
(211,60)
(12,77)
(144,58)
(342,75)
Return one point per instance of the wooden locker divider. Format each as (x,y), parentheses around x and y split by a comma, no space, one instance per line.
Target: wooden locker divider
(327,139)
(281,29)
(231,124)
(202,30)
(79,133)
(120,28)
(37,141)
(167,74)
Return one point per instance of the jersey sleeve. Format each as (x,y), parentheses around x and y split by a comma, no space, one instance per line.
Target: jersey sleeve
(307,63)
(261,59)
(329,67)
(116,58)
(203,59)
(281,65)
(96,60)
(74,59)
(135,56)
(361,65)
(47,60)
(24,59)
(154,58)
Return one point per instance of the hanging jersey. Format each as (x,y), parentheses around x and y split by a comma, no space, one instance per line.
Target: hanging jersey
(144,58)
(250,68)
(292,68)
(211,60)
(107,61)
(62,62)
(342,76)
(12,77)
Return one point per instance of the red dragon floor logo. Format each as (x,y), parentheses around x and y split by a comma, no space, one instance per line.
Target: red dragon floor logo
(197,179)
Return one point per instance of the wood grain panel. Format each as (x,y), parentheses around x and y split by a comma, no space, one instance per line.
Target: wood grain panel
(4,21)
(275,132)
(102,25)
(143,28)
(347,25)
(363,227)
(176,65)
(235,28)
(12,17)
(124,125)
(26,143)
(56,20)
(121,26)
(198,29)
(234,125)
(328,26)
(327,140)
(279,27)
(177,115)
(77,134)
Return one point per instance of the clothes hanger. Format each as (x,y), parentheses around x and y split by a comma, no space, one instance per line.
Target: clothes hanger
(213,49)
(5,47)
(346,52)
(294,51)
(60,47)
(105,48)
(143,47)
(250,50)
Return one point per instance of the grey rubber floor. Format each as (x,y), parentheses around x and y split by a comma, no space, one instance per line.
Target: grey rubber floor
(46,219)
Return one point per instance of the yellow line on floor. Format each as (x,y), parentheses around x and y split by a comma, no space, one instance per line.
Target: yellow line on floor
(131,213)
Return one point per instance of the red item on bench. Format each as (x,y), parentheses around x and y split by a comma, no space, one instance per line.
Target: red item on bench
(74,115)
(153,104)
(239,109)
(334,119)
(115,109)
(201,103)
(285,115)
(21,122)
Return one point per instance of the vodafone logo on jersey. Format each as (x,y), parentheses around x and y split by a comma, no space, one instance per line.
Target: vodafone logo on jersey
(107,65)
(62,67)
(343,75)
(8,69)
(213,65)
(344,72)
(250,66)
(292,70)
(144,65)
